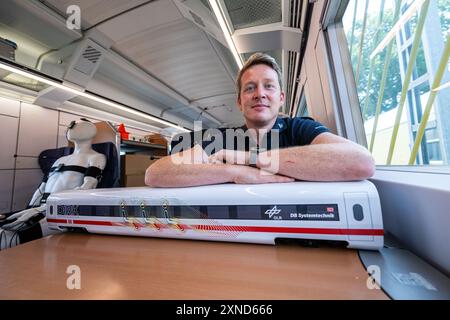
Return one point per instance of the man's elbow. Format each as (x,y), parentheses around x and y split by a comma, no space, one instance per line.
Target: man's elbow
(151,178)
(365,168)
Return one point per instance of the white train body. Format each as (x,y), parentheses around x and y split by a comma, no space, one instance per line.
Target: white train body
(346,212)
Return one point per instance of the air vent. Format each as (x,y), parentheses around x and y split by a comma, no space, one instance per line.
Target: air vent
(297,13)
(92,54)
(251,13)
(197,19)
(292,76)
(84,62)
(89,59)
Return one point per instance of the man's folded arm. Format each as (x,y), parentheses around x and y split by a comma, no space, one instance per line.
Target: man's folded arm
(327,158)
(194,168)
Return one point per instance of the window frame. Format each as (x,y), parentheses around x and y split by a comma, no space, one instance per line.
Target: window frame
(345,86)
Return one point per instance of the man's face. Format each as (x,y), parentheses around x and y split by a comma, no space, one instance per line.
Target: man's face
(261,97)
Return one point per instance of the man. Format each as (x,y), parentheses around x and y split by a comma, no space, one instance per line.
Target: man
(307,150)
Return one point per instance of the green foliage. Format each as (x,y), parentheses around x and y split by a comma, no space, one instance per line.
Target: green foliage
(394,81)
(444,15)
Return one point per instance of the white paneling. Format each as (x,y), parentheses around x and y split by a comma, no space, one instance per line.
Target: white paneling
(26,182)
(38,129)
(9,107)
(8,141)
(415,211)
(62,140)
(66,118)
(152,15)
(6,178)
(27,163)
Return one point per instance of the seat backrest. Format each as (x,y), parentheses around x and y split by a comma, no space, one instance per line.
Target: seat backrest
(48,157)
(111,173)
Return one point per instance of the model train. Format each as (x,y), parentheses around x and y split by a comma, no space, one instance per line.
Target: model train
(340,212)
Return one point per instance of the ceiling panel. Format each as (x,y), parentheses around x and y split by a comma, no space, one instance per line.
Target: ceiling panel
(180,55)
(157,38)
(95,11)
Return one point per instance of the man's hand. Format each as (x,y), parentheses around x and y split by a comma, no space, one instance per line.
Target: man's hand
(249,175)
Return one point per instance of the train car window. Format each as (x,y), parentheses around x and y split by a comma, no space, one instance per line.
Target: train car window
(399,52)
(218,212)
(302,110)
(249,212)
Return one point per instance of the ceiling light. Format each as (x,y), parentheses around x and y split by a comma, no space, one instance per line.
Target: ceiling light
(218,11)
(91,96)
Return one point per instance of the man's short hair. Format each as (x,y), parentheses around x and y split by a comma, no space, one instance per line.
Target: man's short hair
(255,59)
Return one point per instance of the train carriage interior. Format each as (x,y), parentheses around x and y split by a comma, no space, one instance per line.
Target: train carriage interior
(374,72)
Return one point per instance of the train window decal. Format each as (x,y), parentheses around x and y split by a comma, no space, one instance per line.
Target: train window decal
(310,212)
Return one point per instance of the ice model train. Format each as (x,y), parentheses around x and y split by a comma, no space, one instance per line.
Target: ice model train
(347,213)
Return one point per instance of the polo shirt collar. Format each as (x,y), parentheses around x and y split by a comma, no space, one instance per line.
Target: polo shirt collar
(279,125)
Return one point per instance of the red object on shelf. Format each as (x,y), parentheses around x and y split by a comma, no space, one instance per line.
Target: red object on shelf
(123,132)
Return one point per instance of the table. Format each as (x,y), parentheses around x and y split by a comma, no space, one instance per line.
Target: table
(123,267)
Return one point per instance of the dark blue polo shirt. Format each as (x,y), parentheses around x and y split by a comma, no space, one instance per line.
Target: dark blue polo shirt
(290,132)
